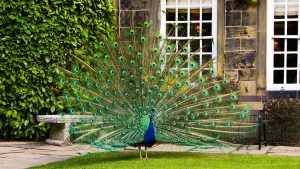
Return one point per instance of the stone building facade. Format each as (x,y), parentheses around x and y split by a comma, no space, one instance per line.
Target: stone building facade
(247,39)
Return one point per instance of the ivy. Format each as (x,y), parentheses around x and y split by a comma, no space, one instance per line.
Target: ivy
(34,38)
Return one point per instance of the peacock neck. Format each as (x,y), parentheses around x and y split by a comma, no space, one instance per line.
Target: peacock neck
(150,134)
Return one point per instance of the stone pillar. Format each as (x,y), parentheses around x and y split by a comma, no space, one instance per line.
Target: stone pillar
(240,45)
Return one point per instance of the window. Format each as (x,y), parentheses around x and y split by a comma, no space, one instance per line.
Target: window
(191,24)
(283,40)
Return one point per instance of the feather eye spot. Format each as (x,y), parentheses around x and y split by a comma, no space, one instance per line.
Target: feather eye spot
(132,32)
(109,81)
(106,57)
(101,44)
(152,78)
(122,81)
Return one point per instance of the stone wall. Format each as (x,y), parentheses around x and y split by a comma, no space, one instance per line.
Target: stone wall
(135,12)
(240,45)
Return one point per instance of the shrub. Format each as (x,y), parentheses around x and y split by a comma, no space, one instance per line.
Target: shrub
(283,121)
(34,37)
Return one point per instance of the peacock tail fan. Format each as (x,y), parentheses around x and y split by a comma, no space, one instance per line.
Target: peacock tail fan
(114,85)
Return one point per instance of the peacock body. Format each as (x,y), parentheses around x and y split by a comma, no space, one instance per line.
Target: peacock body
(139,92)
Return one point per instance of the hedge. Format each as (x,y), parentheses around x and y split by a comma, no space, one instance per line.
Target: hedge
(283,121)
(34,37)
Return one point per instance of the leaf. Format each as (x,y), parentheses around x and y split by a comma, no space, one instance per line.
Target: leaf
(52,109)
(47,59)
(26,122)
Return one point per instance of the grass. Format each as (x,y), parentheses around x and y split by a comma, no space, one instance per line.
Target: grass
(184,160)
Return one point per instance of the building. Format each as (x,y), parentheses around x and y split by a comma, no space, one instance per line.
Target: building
(255,45)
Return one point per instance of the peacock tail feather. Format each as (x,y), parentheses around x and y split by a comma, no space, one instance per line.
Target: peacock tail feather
(115,84)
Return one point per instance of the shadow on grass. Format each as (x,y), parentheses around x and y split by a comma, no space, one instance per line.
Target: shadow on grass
(108,157)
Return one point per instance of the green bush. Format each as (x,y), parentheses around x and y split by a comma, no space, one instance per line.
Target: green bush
(283,121)
(34,37)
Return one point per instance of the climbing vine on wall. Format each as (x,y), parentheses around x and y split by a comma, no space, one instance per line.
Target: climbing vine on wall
(34,37)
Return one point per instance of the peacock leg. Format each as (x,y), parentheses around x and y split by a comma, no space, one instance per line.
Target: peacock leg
(140,152)
(146,152)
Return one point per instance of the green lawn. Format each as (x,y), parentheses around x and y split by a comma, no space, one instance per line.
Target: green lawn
(185,160)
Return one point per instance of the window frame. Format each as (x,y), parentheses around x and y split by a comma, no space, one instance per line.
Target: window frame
(214,20)
(270,49)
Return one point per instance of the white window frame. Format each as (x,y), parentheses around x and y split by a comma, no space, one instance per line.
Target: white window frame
(213,21)
(270,50)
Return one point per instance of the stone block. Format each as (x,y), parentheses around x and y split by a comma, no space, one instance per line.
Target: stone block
(248,44)
(240,60)
(139,17)
(134,4)
(232,44)
(249,18)
(125,18)
(231,6)
(248,31)
(240,32)
(232,75)
(247,74)
(233,18)
(247,88)
(253,105)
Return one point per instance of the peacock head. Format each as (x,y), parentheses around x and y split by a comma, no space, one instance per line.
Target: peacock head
(152,113)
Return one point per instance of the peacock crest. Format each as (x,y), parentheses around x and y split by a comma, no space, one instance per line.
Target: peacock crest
(138,91)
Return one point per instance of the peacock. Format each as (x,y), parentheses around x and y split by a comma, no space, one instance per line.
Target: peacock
(136,89)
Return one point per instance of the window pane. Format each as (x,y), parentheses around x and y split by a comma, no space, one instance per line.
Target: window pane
(278,28)
(292,44)
(292,60)
(195,2)
(182,15)
(278,44)
(182,30)
(206,14)
(207,45)
(206,29)
(206,59)
(171,2)
(195,29)
(278,60)
(195,14)
(196,58)
(291,76)
(182,44)
(292,10)
(170,30)
(171,15)
(206,2)
(183,64)
(292,27)
(170,62)
(172,43)
(183,2)
(279,11)
(195,45)
(278,77)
